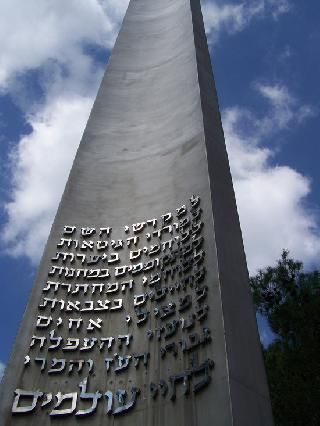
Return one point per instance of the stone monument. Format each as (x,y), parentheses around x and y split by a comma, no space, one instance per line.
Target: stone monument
(141,311)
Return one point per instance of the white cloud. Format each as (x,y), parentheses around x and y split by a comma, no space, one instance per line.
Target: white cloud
(34,32)
(279,7)
(271,199)
(285,106)
(229,17)
(52,37)
(2,368)
(234,17)
(40,165)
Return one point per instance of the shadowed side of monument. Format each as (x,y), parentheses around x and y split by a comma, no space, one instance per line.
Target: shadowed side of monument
(140,311)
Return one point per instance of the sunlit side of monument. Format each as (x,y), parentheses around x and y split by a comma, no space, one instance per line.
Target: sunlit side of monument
(141,310)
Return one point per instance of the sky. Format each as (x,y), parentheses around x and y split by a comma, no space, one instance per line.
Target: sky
(265,55)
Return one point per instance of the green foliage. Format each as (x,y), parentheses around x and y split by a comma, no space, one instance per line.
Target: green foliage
(290,299)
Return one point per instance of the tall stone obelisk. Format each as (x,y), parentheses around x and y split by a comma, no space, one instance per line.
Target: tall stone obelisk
(141,311)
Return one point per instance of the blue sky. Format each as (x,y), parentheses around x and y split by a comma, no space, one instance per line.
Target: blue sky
(266,64)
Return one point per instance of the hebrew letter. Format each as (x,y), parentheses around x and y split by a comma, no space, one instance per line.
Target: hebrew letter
(201,312)
(46,301)
(108,361)
(88,343)
(135,254)
(78,287)
(165,245)
(163,387)
(55,269)
(125,408)
(124,338)
(87,245)
(185,303)
(198,257)
(42,361)
(42,340)
(57,366)
(195,201)
(77,321)
(152,222)
(103,273)
(117,305)
(90,364)
(92,397)
(187,324)
(185,378)
(199,274)
(154,279)
(95,286)
(69,230)
(73,306)
(160,294)
(181,211)
(82,257)
(43,322)
(67,286)
(126,284)
(67,241)
(72,344)
(48,399)
(185,236)
(105,231)
(138,227)
(73,362)
(87,232)
(142,316)
(203,368)
(201,293)
(133,240)
(113,258)
(196,228)
(109,396)
(136,269)
(117,244)
(136,359)
(103,340)
(168,310)
(94,324)
(94,259)
(166,218)
(103,305)
(112,287)
(50,284)
(61,399)
(55,340)
(69,272)
(25,394)
(123,363)
(171,328)
(102,245)
(139,299)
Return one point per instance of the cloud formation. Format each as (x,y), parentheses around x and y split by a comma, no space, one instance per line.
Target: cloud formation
(233,17)
(271,199)
(229,17)
(34,32)
(40,164)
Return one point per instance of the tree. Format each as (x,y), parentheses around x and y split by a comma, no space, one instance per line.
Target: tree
(290,299)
